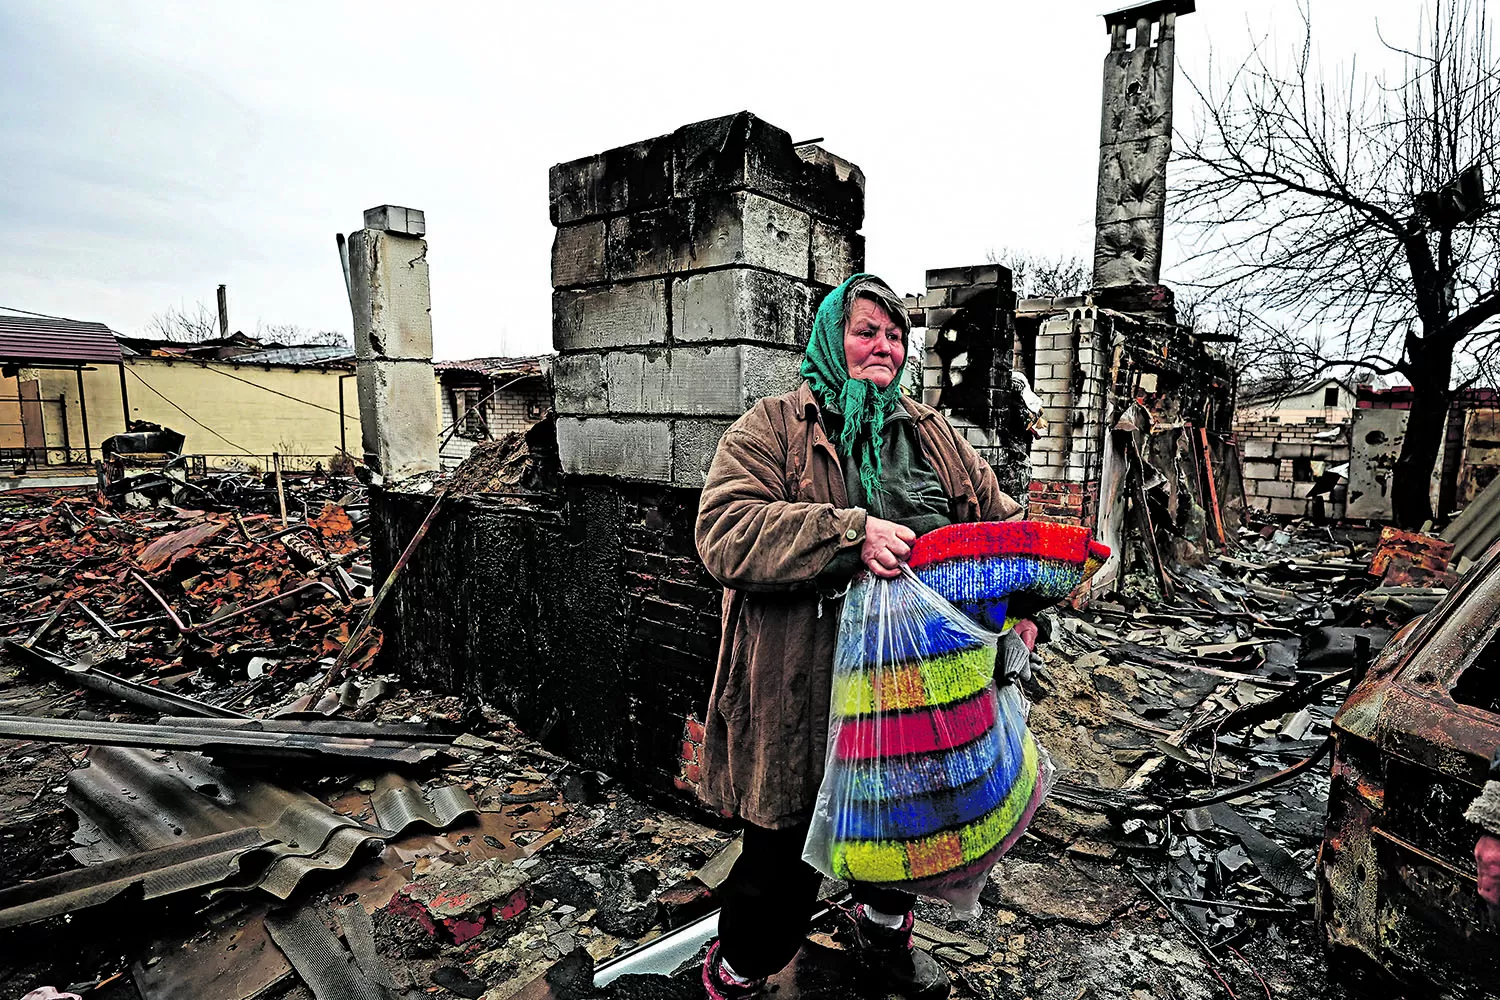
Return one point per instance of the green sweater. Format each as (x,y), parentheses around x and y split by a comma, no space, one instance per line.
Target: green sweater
(914,496)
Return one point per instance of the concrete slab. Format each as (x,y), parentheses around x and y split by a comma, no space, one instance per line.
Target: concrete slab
(392,300)
(624,449)
(633,314)
(742,304)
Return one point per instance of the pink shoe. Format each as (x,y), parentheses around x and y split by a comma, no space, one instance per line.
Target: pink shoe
(718,985)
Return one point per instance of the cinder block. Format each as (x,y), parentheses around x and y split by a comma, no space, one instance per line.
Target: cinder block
(1273,488)
(698,381)
(744,228)
(1260,469)
(741,304)
(643,244)
(743,152)
(578,255)
(837,252)
(982,274)
(939,317)
(578,384)
(1293,508)
(391,299)
(623,179)
(1288,449)
(396,219)
(1054,356)
(1257,448)
(398,416)
(622,449)
(693,446)
(625,315)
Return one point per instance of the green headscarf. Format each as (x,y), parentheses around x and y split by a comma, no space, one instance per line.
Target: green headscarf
(863,406)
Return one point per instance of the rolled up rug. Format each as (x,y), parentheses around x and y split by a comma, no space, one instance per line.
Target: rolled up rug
(995,571)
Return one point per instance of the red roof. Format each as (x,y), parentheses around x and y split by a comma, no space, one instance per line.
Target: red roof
(33,339)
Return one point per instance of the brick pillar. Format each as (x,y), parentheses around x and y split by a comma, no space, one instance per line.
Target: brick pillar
(392,306)
(685,272)
(1071,372)
(969,318)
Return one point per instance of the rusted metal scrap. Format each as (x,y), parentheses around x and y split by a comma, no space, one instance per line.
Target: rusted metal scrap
(221,741)
(1412,747)
(144,695)
(1412,559)
(154,826)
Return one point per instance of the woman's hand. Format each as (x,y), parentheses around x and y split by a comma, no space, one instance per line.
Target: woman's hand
(887,544)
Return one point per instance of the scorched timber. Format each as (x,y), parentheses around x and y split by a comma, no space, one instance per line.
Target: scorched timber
(227,741)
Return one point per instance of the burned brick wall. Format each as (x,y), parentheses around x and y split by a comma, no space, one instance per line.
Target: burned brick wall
(685,270)
(967,315)
(589,618)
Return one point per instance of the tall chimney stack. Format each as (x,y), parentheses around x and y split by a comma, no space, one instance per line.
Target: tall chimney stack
(1135,141)
(223,311)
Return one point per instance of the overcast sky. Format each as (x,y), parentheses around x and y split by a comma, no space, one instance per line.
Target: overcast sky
(154,150)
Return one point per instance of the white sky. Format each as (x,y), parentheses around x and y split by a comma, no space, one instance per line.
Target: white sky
(151,151)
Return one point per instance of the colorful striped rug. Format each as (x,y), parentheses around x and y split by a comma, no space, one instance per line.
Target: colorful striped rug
(932,773)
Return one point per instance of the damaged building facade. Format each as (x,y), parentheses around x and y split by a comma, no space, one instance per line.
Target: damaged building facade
(686,268)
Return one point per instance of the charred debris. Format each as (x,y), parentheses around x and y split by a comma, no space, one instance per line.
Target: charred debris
(210,786)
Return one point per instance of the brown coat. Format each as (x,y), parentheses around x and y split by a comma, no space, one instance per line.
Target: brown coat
(774,512)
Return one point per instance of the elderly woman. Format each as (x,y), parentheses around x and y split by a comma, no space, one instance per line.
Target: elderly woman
(806,489)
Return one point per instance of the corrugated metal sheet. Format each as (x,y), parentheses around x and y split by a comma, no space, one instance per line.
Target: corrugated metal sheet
(161,823)
(1478,527)
(30,338)
(193,864)
(498,367)
(400,804)
(331,972)
(308,354)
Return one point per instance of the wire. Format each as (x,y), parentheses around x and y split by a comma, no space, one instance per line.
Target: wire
(28,312)
(452,428)
(295,399)
(185,413)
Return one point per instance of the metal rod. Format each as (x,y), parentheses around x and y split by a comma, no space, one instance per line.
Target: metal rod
(156,699)
(83,414)
(1193,802)
(1207,948)
(1269,911)
(104,626)
(47,625)
(176,622)
(357,637)
(214,624)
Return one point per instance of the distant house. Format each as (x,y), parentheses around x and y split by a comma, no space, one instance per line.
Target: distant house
(483,399)
(65,386)
(1295,446)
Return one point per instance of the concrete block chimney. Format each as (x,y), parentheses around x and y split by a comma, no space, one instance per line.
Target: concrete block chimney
(392,305)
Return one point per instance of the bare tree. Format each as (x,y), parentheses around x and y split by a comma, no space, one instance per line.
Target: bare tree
(292,335)
(185,324)
(1038,277)
(1354,208)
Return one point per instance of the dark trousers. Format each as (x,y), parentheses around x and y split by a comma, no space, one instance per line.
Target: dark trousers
(769,899)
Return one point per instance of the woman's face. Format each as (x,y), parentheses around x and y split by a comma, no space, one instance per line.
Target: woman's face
(873,345)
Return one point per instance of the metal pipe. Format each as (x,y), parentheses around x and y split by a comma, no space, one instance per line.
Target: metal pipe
(214,624)
(124,397)
(357,637)
(83,413)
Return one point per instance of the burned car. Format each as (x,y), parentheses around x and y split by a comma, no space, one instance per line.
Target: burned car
(1413,744)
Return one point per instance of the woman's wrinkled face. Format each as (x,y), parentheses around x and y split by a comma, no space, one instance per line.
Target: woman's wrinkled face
(874,347)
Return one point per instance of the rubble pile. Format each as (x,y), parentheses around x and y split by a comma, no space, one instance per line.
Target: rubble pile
(186,599)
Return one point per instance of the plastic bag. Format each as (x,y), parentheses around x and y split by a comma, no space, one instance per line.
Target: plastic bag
(931,772)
